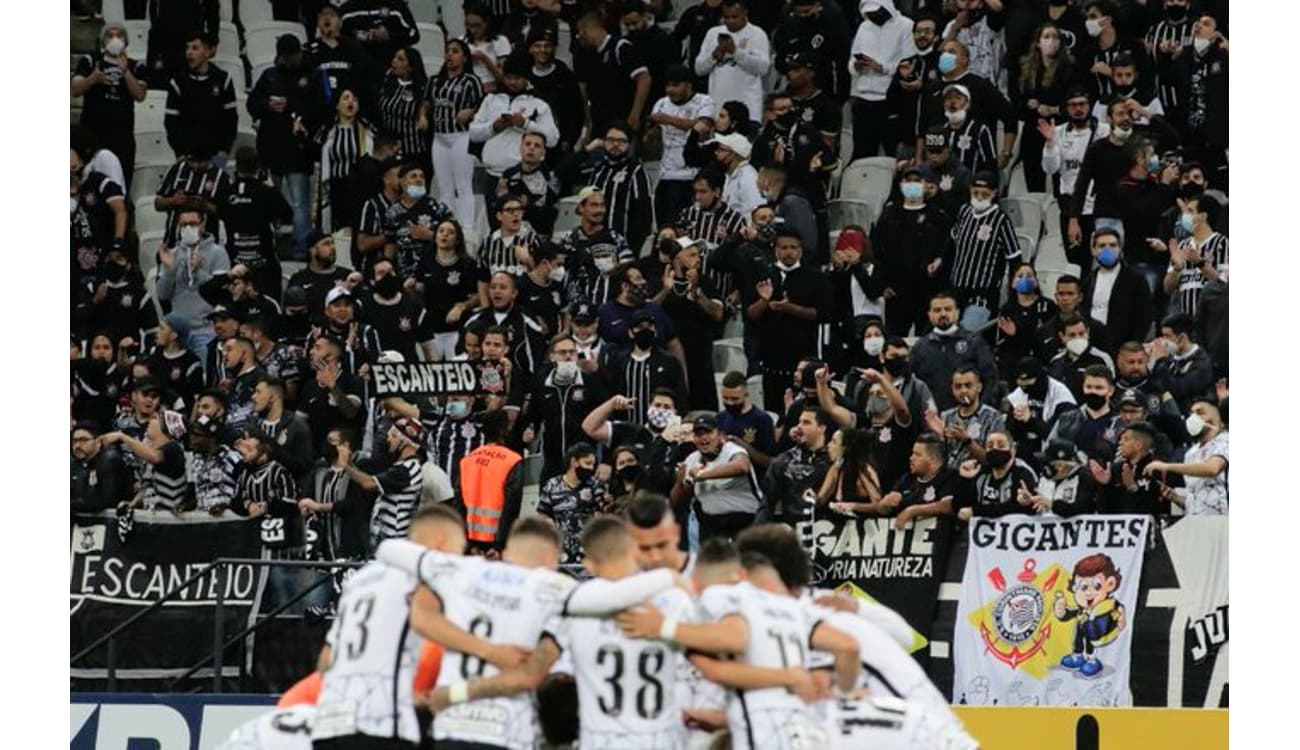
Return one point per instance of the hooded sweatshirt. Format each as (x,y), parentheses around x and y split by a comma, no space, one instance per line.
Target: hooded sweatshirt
(180,285)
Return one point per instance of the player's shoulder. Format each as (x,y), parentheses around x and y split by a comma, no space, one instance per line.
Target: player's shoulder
(674,602)
(550,586)
(723,599)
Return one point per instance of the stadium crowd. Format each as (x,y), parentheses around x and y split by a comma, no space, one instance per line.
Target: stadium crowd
(771,260)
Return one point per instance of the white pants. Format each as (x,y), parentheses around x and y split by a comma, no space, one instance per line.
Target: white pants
(446,343)
(776,729)
(454,169)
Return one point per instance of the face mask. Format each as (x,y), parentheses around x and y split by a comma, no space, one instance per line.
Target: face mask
(330,453)
(1094,401)
(912,191)
(1108,256)
(415,192)
(1122,133)
(585,473)
(1176,12)
(947,62)
(948,330)
(956,117)
(1076,346)
(556,274)
(873,345)
(735,410)
(1049,47)
(898,367)
(73,205)
(644,339)
(1024,285)
(388,286)
(637,293)
(190,235)
(787,120)
(658,418)
(787,268)
(1094,26)
(1038,390)
(877,404)
(980,205)
(114,273)
(1200,45)
(604,264)
(1187,222)
(1194,424)
(565,372)
(1153,164)
(629,474)
(457,409)
(997,456)
(114,46)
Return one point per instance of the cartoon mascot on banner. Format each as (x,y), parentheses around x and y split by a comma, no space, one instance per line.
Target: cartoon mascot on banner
(1098,616)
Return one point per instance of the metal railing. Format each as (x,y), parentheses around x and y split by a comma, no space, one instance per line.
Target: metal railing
(110,639)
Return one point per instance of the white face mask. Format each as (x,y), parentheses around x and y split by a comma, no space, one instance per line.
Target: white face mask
(787,268)
(1194,424)
(1200,45)
(1077,346)
(956,117)
(980,205)
(190,235)
(1094,26)
(605,264)
(565,372)
(1122,133)
(950,330)
(114,46)
(73,205)
(873,345)
(557,274)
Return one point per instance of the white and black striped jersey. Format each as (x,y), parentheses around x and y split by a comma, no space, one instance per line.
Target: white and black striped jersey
(449,96)
(497,251)
(281,729)
(272,485)
(972,144)
(373,213)
(1180,33)
(341,146)
(366,689)
(399,493)
(209,184)
(166,484)
(713,225)
(399,108)
(1191,281)
(449,441)
(214,476)
(629,208)
(584,254)
(979,248)
(628,695)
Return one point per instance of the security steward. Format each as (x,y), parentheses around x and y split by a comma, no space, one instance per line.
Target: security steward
(491,488)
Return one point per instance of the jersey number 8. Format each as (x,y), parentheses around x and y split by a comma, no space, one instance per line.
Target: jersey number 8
(472,666)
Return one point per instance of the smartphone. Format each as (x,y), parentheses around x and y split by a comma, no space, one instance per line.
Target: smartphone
(724,36)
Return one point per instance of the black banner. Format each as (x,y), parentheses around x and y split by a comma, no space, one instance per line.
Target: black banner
(424,378)
(900,569)
(112,581)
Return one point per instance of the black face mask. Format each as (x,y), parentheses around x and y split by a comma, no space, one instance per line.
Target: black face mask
(330,453)
(899,367)
(1038,390)
(1176,12)
(629,474)
(637,294)
(997,456)
(1094,401)
(667,248)
(388,286)
(644,339)
(735,410)
(585,473)
(879,16)
(975,15)
(787,120)
(767,231)
(114,272)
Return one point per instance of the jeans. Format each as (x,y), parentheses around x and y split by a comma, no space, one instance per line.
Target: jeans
(975,316)
(1153,273)
(296,189)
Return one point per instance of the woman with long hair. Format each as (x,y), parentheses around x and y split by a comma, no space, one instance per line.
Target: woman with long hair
(401,104)
(626,478)
(1019,319)
(448,284)
(851,486)
(488,49)
(732,117)
(342,142)
(450,101)
(1047,70)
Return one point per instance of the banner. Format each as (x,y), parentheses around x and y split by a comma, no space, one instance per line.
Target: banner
(424,378)
(869,558)
(115,721)
(112,581)
(1046,610)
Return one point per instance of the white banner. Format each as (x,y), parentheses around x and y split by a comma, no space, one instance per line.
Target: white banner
(1198,634)
(1046,610)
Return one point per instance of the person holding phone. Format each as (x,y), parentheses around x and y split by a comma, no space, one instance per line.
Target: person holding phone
(736,56)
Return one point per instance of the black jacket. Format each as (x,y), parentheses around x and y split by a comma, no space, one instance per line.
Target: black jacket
(279,150)
(100,483)
(1128,314)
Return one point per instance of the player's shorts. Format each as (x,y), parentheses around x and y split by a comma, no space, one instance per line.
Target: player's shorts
(779,729)
(362,742)
(884,723)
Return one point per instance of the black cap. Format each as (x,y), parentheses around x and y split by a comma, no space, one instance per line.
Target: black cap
(1060,450)
(936,138)
(582,312)
(1029,368)
(145,385)
(705,422)
(643,315)
(313,237)
(985,179)
(678,73)
(546,250)
(799,60)
(287,44)
(517,65)
(913,170)
(221,311)
(542,33)
(1131,397)
(199,151)
(927,173)
(295,296)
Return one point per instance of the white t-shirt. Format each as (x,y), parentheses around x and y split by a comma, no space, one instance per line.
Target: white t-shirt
(281,729)
(672,165)
(1102,287)
(374,657)
(1208,497)
(740,190)
(498,47)
(738,494)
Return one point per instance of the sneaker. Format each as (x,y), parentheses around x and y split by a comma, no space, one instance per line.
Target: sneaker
(1073,661)
(1090,668)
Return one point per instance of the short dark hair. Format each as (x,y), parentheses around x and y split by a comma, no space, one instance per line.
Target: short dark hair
(647,510)
(820,415)
(538,527)
(711,177)
(1067,278)
(1131,347)
(742,3)
(968,370)
(1071,319)
(945,294)
(734,379)
(780,544)
(605,537)
(665,391)
(1210,206)
(933,444)
(501,331)
(216,394)
(785,232)
(716,551)
(1102,232)
(197,33)
(1179,323)
(495,425)
(1099,371)
(578,450)
(1123,60)
(85,425)
(270,381)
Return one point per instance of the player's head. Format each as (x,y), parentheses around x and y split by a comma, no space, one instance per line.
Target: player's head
(607,548)
(557,709)
(717,564)
(760,571)
(780,545)
(654,530)
(534,542)
(440,528)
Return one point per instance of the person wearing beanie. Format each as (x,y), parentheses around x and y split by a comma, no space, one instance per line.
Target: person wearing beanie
(176,366)
(555,82)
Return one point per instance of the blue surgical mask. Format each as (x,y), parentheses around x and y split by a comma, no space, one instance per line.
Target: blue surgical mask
(1024,285)
(912,191)
(457,409)
(947,62)
(1153,163)
(1187,222)
(1108,256)
(415,192)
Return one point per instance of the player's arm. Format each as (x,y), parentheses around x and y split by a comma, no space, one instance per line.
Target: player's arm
(599,597)
(873,612)
(729,635)
(827,637)
(323,660)
(427,620)
(747,676)
(523,679)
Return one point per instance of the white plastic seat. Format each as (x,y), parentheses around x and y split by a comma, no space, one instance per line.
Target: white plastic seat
(1025,212)
(150,242)
(226,11)
(845,211)
(1028,246)
(254,12)
(424,11)
(152,148)
(229,37)
(563,40)
(728,355)
(566,217)
(137,38)
(148,220)
(145,180)
(754,386)
(1051,252)
(149,114)
(432,46)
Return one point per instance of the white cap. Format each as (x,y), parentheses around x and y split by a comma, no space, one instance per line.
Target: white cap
(735,142)
(390,357)
(336,293)
(685,242)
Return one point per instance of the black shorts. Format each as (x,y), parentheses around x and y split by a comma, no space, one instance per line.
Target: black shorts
(461,745)
(363,742)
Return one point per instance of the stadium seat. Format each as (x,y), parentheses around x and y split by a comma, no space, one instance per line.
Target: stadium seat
(149,113)
(137,37)
(432,46)
(567,218)
(755,388)
(717,385)
(652,173)
(146,178)
(226,11)
(729,354)
(563,41)
(1016,182)
(1028,246)
(1047,277)
(424,11)
(148,220)
(1025,211)
(255,12)
(845,211)
(234,66)
(1051,216)
(114,11)
(1051,251)
(149,244)
(871,176)
(260,48)
(228,38)
(152,148)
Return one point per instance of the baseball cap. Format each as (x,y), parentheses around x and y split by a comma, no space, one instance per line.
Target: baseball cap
(146,385)
(798,60)
(1131,397)
(582,312)
(1060,450)
(542,33)
(686,242)
(587,192)
(221,311)
(642,316)
(735,142)
(913,170)
(705,422)
(295,296)
(959,88)
(1029,368)
(313,237)
(338,293)
(936,139)
(985,179)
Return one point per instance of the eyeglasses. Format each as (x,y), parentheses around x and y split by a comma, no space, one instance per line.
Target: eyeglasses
(512,210)
(565,352)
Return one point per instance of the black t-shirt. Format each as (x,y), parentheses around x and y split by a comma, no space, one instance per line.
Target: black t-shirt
(946,483)
(107,108)
(543,302)
(401,326)
(786,339)
(97,190)
(820,111)
(317,285)
(426,212)
(540,187)
(893,448)
(251,211)
(608,74)
(322,416)
(445,287)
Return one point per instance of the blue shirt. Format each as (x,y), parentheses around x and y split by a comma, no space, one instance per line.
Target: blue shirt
(754,427)
(616,319)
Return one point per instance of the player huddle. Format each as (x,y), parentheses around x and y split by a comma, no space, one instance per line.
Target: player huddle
(727,648)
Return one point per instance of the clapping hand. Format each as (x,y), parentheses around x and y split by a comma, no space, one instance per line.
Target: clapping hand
(969,469)
(1099,472)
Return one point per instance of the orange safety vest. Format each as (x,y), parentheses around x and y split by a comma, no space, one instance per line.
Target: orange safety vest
(483,476)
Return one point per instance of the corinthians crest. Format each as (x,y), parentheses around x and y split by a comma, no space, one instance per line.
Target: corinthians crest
(1016,626)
